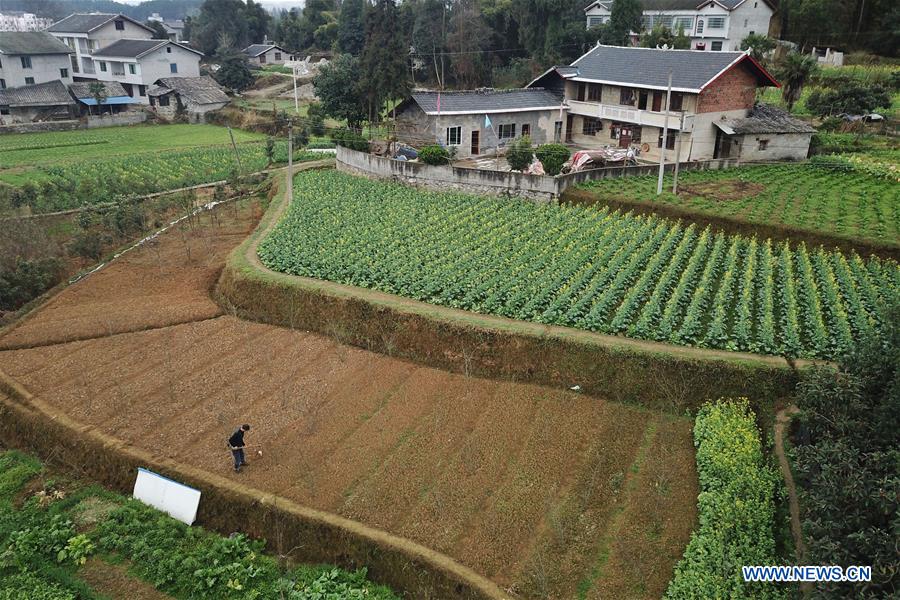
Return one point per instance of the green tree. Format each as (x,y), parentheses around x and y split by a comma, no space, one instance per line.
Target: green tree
(468,40)
(98,93)
(383,61)
(794,71)
(624,18)
(258,21)
(661,35)
(316,13)
(552,31)
(351,35)
(338,88)
(759,45)
(233,71)
(217,18)
(854,98)
(159,30)
(520,153)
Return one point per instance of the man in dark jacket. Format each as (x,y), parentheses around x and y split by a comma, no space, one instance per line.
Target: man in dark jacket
(236,443)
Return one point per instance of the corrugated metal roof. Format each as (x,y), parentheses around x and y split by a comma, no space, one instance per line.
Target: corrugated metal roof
(85,23)
(487,100)
(31,42)
(199,90)
(649,67)
(52,93)
(764,118)
(82,89)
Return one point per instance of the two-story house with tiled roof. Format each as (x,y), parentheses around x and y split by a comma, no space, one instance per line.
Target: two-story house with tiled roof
(718,25)
(87,33)
(32,57)
(616,96)
(137,64)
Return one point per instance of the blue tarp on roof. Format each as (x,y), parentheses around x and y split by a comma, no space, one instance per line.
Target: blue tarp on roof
(113,100)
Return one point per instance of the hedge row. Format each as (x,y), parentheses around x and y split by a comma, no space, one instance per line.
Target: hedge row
(736,508)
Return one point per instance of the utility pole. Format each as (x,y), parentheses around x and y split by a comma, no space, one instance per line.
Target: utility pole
(678,154)
(662,149)
(294,77)
(290,168)
(236,153)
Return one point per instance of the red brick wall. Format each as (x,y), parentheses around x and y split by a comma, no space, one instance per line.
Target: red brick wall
(733,90)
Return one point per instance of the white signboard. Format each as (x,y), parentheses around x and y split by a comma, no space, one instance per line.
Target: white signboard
(175,499)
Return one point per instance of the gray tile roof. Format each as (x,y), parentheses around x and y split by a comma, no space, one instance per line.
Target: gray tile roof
(31,42)
(82,89)
(255,50)
(764,118)
(199,90)
(487,100)
(85,23)
(130,48)
(664,5)
(52,93)
(649,67)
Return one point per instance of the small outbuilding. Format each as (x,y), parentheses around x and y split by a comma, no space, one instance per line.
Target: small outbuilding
(48,101)
(115,98)
(196,96)
(267,54)
(766,133)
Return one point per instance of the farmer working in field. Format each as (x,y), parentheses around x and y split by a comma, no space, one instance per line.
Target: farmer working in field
(236,443)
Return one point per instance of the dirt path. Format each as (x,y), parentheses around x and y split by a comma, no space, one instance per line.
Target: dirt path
(782,419)
(519,482)
(114,581)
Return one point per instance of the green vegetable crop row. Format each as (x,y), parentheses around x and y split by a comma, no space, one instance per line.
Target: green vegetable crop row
(640,276)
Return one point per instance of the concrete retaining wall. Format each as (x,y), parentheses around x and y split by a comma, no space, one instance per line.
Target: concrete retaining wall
(495,183)
(92,122)
(124,118)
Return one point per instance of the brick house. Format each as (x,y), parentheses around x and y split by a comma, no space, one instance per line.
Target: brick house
(616,96)
(476,122)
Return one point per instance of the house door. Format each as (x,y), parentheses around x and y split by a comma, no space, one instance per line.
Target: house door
(657,101)
(722,148)
(476,138)
(569,121)
(625,134)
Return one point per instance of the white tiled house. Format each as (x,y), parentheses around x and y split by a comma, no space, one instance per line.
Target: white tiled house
(32,57)
(137,64)
(87,33)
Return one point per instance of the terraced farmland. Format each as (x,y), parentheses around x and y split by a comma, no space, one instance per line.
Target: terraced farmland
(597,270)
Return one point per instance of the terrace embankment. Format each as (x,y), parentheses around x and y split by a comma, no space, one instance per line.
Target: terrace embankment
(656,375)
(445,485)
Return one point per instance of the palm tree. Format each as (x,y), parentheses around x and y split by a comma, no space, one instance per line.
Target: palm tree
(98,92)
(794,71)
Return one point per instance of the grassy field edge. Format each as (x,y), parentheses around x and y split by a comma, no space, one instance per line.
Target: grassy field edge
(656,375)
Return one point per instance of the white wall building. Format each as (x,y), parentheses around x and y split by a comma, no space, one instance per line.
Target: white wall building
(137,64)
(22,21)
(31,58)
(87,33)
(718,25)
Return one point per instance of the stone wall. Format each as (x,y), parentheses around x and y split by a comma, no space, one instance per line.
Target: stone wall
(91,122)
(541,188)
(122,118)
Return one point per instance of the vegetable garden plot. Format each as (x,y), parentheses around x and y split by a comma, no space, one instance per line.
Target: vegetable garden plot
(859,202)
(597,270)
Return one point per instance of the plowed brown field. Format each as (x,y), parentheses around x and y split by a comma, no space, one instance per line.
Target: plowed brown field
(550,493)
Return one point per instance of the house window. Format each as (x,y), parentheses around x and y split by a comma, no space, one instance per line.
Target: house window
(626,96)
(507,131)
(142,90)
(120,25)
(676,101)
(716,22)
(716,46)
(262,59)
(4,110)
(454,136)
(700,27)
(755,4)
(646,22)
(29,81)
(590,125)
(163,100)
(152,101)
(595,21)
(664,20)
(168,49)
(173,67)
(278,56)
(670,140)
(614,130)
(745,22)
(763,144)
(593,92)
(63,73)
(526,129)
(557,131)
(26,62)
(684,22)
(635,135)
(103,66)
(132,68)
(2,84)
(581,88)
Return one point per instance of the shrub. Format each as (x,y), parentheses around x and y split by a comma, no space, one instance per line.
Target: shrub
(520,153)
(552,157)
(28,280)
(736,508)
(434,155)
(350,139)
(854,98)
(315,116)
(89,244)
